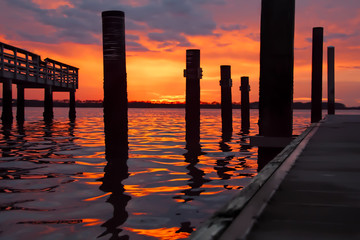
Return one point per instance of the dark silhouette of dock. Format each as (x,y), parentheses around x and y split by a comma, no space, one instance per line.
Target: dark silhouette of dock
(27,70)
(309,191)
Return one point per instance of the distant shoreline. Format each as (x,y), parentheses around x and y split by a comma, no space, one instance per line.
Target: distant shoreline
(215,105)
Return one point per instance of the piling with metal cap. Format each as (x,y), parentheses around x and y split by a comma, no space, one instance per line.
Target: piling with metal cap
(331,80)
(7,115)
(245,104)
(20,104)
(193,74)
(316,76)
(276,68)
(226,99)
(115,84)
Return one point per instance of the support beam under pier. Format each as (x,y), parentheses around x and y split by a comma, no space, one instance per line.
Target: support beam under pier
(48,104)
(20,104)
(72,105)
(7,115)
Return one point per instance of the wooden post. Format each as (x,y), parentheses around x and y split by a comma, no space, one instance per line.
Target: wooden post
(331,80)
(245,104)
(193,74)
(72,105)
(276,68)
(115,85)
(226,101)
(7,115)
(316,80)
(48,104)
(20,104)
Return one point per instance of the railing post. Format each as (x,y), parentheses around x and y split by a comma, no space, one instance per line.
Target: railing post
(316,82)
(115,85)
(226,102)
(331,80)
(245,104)
(20,104)
(2,60)
(15,63)
(193,74)
(48,104)
(7,116)
(27,66)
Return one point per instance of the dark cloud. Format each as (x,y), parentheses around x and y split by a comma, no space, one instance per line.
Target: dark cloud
(81,23)
(136,47)
(335,36)
(233,27)
(254,36)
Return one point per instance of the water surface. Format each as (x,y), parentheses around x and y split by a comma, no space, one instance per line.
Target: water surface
(53,186)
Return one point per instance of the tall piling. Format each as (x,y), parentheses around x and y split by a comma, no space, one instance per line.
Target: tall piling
(245,104)
(7,115)
(331,80)
(72,105)
(316,76)
(226,101)
(193,74)
(20,104)
(115,85)
(276,68)
(48,104)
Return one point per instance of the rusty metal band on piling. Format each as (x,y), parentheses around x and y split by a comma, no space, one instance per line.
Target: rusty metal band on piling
(276,67)
(193,74)
(331,80)
(245,104)
(115,85)
(226,99)
(316,76)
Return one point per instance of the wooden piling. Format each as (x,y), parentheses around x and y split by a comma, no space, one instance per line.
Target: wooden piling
(20,104)
(226,100)
(48,104)
(115,85)
(276,68)
(193,74)
(7,115)
(316,77)
(72,105)
(331,80)
(245,104)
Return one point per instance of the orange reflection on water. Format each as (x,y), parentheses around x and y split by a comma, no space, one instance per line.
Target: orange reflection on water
(93,175)
(91,222)
(161,233)
(95,198)
(138,191)
(138,213)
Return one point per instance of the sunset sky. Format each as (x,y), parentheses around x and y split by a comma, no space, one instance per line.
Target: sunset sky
(160,31)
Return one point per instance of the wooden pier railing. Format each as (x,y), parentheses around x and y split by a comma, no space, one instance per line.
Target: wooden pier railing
(27,70)
(22,66)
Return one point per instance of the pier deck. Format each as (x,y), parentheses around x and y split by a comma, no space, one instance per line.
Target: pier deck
(313,194)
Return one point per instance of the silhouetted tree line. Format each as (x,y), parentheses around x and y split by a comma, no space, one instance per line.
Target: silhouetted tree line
(148,104)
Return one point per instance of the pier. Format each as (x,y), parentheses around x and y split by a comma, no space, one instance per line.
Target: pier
(309,191)
(27,70)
